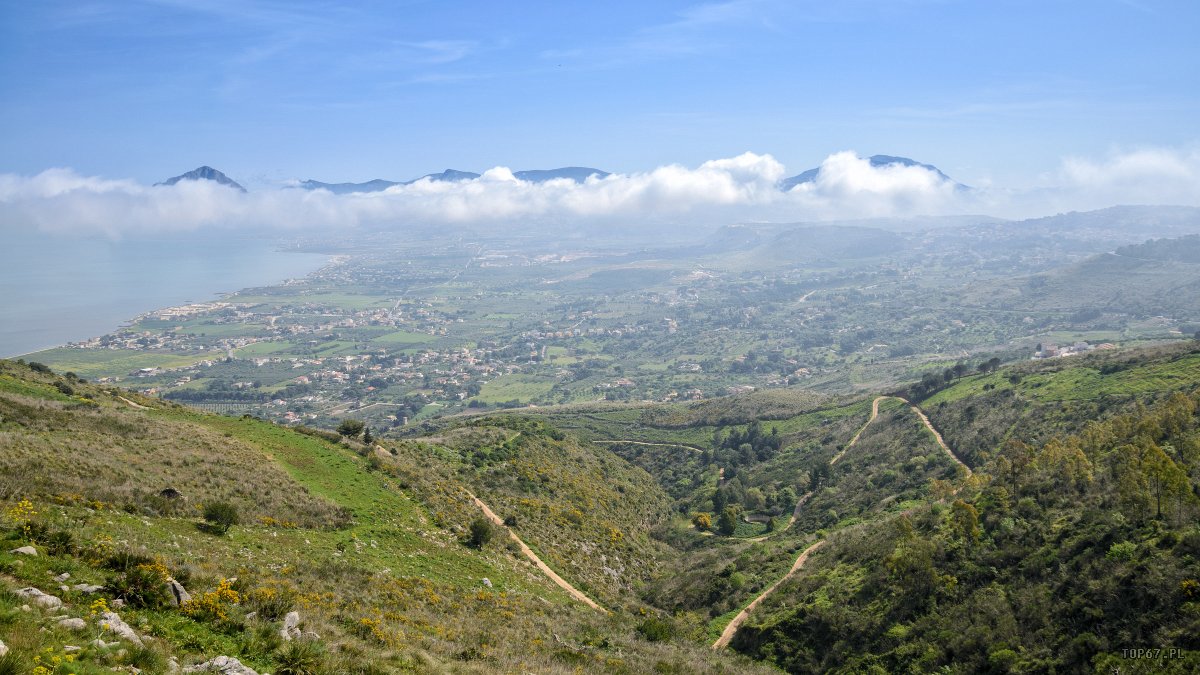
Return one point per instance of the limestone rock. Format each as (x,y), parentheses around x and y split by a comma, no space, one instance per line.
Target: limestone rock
(487,582)
(72,623)
(62,577)
(3,648)
(43,600)
(178,593)
(226,665)
(112,622)
(87,588)
(24,550)
(291,626)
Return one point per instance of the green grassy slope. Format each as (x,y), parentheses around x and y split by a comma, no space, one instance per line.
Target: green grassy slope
(375,569)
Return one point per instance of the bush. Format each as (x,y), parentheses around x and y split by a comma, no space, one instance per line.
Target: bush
(655,629)
(142,585)
(300,658)
(220,516)
(702,521)
(60,542)
(271,603)
(481,532)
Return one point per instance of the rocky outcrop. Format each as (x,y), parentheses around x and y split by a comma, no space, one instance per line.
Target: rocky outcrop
(177,592)
(37,597)
(111,622)
(226,665)
(291,626)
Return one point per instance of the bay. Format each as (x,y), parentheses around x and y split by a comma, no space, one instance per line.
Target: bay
(56,289)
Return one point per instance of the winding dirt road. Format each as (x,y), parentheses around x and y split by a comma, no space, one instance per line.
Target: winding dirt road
(732,628)
(937,436)
(528,553)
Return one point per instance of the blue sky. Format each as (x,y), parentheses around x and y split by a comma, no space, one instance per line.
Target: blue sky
(990,91)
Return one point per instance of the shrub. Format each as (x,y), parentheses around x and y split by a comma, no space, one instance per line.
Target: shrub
(60,542)
(213,605)
(481,532)
(220,516)
(1121,552)
(654,629)
(141,586)
(123,561)
(702,521)
(271,603)
(300,658)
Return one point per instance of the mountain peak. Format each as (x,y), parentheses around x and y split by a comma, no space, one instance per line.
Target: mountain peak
(876,161)
(204,173)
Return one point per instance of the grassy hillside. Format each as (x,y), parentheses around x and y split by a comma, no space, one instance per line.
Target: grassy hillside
(377,568)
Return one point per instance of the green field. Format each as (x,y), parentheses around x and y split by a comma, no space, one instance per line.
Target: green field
(403,337)
(94,363)
(523,388)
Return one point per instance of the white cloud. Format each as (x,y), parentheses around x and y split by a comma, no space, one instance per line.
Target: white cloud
(718,191)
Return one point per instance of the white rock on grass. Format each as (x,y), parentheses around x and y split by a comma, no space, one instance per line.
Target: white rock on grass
(43,600)
(3,648)
(87,588)
(25,550)
(226,665)
(112,622)
(63,577)
(178,593)
(291,626)
(72,623)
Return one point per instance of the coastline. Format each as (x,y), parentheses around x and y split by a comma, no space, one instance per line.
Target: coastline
(75,311)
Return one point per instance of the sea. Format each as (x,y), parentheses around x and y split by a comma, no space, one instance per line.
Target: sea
(57,289)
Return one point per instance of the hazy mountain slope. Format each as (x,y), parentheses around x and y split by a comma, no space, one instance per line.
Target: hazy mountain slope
(204,173)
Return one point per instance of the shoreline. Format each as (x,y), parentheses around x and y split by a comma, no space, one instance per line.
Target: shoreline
(328,260)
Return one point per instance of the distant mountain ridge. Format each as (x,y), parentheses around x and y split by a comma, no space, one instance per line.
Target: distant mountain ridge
(877,161)
(578,174)
(204,173)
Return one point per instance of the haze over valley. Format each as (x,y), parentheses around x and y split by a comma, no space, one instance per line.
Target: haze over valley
(732,337)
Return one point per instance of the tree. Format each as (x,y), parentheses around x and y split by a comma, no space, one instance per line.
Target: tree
(220,516)
(367,437)
(351,428)
(728,521)
(481,532)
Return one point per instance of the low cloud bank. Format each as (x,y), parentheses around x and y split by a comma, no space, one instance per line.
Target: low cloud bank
(718,191)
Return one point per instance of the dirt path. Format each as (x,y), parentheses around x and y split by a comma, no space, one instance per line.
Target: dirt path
(653,445)
(874,414)
(131,404)
(937,436)
(551,574)
(732,628)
